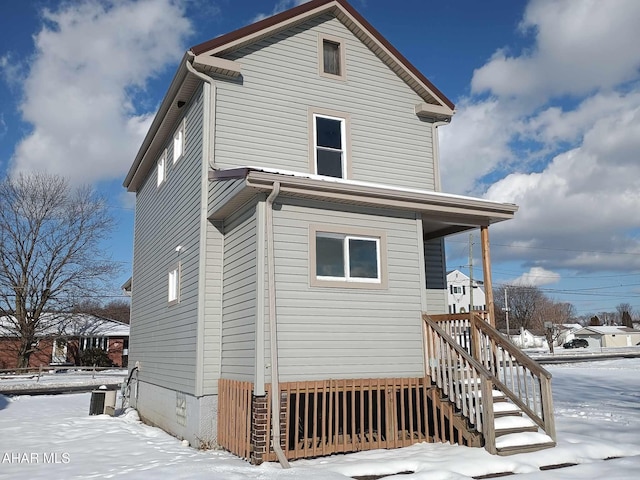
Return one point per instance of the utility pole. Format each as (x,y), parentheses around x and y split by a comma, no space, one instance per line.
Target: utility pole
(506,312)
(471,274)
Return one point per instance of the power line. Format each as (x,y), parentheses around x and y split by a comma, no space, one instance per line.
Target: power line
(555,249)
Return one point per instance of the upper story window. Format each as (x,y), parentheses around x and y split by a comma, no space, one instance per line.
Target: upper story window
(178,143)
(329,146)
(331,57)
(162,168)
(345,257)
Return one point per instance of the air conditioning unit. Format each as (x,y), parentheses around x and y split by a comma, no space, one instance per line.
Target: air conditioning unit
(103,401)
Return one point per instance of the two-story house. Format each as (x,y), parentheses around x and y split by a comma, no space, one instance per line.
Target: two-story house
(289,238)
(461,292)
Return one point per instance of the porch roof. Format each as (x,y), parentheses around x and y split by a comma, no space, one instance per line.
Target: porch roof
(444,214)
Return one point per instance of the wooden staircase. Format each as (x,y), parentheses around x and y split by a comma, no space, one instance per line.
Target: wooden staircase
(503,394)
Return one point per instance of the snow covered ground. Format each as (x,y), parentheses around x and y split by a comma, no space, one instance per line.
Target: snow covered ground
(597,413)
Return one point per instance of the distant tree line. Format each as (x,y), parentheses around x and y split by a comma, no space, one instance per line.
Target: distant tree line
(529,308)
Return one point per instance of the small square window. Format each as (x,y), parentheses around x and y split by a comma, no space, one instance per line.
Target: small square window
(331,57)
(178,143)
(162,168)
(174,285)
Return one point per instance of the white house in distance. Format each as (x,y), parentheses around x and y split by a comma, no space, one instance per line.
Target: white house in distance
(459,293)
(609,336)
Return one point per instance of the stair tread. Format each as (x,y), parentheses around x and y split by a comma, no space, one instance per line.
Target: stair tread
(504,407)
(523,439)
(504,423)
(497,394)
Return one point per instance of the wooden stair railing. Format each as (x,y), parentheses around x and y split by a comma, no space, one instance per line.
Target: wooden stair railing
(526,383)
(460,377)
(518,377)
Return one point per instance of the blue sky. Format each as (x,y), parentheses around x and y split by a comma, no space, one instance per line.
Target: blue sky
(548,115)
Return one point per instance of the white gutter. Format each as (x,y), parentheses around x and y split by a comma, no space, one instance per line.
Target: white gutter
(209,120)
(273,334)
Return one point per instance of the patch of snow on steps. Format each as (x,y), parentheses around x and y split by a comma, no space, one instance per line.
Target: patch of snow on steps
(522,439)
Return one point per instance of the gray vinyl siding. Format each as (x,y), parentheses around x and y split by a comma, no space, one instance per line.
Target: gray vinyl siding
(436,276)
(263,120)
(163,337)
(213,308)
(342,332)
(239,297)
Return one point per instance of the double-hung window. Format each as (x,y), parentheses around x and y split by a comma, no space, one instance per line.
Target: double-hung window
(347,258)
(329,140)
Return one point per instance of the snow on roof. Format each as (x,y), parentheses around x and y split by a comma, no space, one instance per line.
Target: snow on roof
(610,330)
(360,183)
(73,325)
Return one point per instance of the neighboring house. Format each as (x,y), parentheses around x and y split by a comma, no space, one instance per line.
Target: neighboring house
(459,293)
(566,332)
(289,236)
(525,338)
(63,342)
(609,336)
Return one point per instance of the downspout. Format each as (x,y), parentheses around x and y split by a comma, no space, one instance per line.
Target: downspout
(273,335)
(207,126)
(436,153)
(207,147)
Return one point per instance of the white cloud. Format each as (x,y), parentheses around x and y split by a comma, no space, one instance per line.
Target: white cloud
(580,46)
(573,167)
(91,60)
(536,277)
(280,6)
(475,143)
(585,202)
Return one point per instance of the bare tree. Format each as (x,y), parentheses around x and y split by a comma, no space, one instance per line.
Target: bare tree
(525,302)
(115,309)
(50,255)
(554,316)
(624,312)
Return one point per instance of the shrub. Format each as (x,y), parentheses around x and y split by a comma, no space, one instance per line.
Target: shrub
(95,357)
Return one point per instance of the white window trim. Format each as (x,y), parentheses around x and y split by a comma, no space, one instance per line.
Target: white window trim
(162,168)
(347,260)
(346,233)
(345,130)
(343,56)
(180,132)
(173,284)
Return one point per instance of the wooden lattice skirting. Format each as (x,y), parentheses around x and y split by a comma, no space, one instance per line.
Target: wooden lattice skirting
(323,417)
